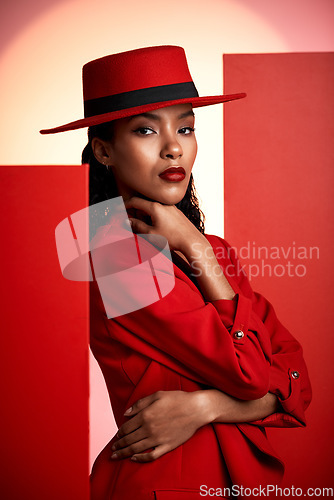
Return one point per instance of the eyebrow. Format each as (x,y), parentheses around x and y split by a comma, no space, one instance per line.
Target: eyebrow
(153,116)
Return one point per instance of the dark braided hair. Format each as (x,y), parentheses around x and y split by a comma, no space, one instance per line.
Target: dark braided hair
(102,183)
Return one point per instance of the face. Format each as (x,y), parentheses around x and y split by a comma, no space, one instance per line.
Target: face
(152,154)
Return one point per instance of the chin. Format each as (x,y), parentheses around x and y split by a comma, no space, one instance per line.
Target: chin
(164,196)
(171,198)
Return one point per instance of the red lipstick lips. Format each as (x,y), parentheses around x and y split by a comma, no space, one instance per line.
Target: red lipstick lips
(173,174)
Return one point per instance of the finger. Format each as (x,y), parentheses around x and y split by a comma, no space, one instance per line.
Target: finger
(140,203)
(128,439)
(132,449)
(150,456)
(139,226)
(141,404)
(130,426)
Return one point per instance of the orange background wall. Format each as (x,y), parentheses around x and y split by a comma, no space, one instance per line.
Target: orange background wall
(279,187)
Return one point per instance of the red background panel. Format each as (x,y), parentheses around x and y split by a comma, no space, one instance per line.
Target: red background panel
(44,340)
(279,179)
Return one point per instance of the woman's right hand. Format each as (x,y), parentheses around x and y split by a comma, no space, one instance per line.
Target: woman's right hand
(167,221)
(183,236)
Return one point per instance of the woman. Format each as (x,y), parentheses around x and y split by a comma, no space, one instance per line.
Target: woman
(195,376)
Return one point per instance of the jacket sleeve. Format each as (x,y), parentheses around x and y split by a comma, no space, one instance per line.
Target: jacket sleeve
(289,379)
(198,339)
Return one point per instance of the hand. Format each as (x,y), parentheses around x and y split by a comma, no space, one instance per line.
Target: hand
(184,237)
(167,221)
(162,421)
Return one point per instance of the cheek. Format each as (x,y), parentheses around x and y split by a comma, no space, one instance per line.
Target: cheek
(136,155)
(191,150)
(195,150)
(124,159)
(133,163)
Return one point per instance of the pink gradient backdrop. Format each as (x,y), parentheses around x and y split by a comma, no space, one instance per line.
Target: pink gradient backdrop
(44,44)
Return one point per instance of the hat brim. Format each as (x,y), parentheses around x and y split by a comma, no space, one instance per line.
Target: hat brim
(196,102)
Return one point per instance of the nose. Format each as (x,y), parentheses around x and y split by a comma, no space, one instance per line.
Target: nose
(172,149)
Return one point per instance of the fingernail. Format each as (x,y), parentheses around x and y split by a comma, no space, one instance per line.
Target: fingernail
(113,447)
(129,410)
(114,455)
(134,459)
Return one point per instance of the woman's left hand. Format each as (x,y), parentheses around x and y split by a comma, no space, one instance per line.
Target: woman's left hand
(162,421)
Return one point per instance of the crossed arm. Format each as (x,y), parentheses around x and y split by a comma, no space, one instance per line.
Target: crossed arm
(166,419)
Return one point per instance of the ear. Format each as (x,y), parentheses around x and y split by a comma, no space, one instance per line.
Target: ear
(101,150)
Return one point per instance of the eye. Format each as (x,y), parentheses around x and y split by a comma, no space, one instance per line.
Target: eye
(144,131)
(186,130)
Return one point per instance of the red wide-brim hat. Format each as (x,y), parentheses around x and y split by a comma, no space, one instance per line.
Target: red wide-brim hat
(135,82)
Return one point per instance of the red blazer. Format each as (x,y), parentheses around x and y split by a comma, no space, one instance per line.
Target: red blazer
(182,342)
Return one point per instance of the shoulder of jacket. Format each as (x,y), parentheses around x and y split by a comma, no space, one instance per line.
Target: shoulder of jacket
(215,240)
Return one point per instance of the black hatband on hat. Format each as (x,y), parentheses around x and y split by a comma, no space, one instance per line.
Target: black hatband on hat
(126,100)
